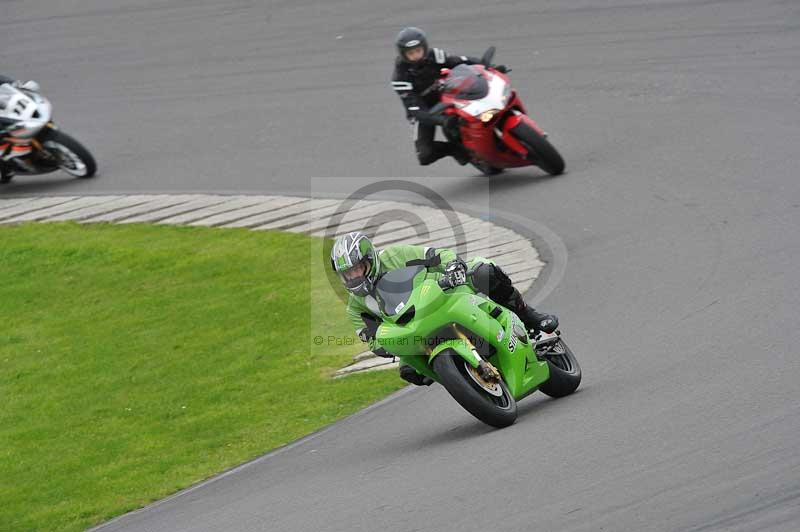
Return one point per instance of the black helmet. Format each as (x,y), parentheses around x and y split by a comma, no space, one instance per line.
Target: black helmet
(409,38)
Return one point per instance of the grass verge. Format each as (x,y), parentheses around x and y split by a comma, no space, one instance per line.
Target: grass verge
(137,360)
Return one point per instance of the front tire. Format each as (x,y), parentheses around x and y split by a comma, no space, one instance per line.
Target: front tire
(540,151)
(495,411)
(70,154)
(565,372)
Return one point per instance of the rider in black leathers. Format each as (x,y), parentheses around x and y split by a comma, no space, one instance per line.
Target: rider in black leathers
(416,68)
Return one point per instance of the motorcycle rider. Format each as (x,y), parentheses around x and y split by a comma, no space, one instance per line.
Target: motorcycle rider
(9,150)
(359,266)
(416,68)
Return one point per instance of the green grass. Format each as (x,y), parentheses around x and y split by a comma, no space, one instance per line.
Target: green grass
(137,360)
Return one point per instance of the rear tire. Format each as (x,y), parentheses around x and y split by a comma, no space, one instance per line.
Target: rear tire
(540,151)
(495,411)
(565,372)
(73,158)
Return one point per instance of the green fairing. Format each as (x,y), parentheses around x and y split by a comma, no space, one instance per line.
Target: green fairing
(393,258)
(436,311)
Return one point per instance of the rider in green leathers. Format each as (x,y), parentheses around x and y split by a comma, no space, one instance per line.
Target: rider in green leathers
(359,265)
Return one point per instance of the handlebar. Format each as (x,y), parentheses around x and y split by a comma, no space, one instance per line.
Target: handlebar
(430,88)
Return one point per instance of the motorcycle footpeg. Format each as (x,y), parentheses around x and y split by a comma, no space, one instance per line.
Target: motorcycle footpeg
(543,338)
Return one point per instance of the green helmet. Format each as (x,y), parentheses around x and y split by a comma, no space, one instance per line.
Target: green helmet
(355,259)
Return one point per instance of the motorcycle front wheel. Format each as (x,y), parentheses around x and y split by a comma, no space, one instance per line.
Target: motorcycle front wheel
(540,151)
(493,405)
(68,154)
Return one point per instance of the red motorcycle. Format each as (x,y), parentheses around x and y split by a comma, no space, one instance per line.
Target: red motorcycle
(493,124)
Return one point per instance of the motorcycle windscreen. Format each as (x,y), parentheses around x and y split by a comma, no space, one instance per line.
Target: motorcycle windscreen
(394,289)
(466,83)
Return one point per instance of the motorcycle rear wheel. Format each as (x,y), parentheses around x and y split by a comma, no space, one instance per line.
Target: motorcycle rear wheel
(72,157)
(494,411)
(565,372)
(541,152)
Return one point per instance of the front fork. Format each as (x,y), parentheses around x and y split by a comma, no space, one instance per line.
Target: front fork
(466,350)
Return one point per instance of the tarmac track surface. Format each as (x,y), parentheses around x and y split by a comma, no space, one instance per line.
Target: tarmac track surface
(679,121)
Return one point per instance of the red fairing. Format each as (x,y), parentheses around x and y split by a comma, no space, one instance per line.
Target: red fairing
(480,138)
(512,122)
(489,141)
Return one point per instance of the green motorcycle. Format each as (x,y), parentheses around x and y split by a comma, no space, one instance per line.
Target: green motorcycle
(478,350)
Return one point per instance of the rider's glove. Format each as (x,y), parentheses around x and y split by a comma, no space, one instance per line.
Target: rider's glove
(365,335)
(381,352)
(456,272)
(503,69)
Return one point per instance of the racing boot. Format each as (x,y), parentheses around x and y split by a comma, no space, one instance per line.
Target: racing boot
(6,168)
(409,374)
(6,172)
(533,320)
(460,154)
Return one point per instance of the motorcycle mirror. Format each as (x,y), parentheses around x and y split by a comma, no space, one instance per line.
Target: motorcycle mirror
(488,55)
(31,85)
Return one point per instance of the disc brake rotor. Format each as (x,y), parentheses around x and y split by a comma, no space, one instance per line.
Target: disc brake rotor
(492,388)
(67,160)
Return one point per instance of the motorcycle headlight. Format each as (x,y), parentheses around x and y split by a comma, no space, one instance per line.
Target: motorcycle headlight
(486,116)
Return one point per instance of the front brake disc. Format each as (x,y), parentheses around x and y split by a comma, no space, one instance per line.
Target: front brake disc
(492,388)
